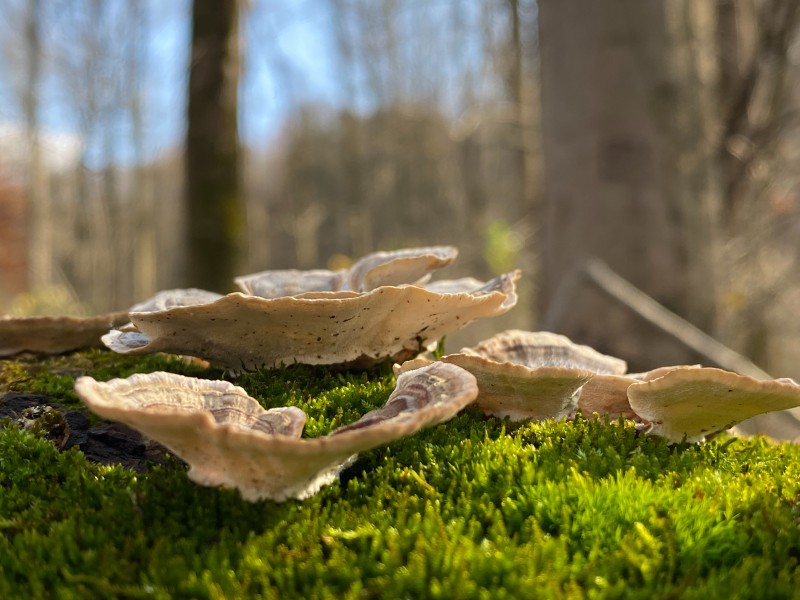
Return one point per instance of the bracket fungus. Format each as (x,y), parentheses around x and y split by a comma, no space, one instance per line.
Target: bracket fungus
(242,332)
(545,349)
(374,270)
(692,403)
(529,375)
(166,299)
(607,395)
(229,440)
(54,335)
(453,286)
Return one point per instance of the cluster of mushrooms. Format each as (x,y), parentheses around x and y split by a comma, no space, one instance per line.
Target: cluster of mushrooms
(384,307)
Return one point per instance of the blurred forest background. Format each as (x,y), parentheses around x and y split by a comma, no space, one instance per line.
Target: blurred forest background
(147,145)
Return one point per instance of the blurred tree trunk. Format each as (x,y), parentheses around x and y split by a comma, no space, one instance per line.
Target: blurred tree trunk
(521,96)
(754,40)
(40,228)
(214,204)
(144,265)
(628,128)
(757,169)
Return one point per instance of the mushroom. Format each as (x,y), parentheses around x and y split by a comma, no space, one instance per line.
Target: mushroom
(690,403)
(608,394)
(229,440)
(528,375)
(242,332)
(453,286)
(545,349)
(166,299)
(54,335)
(374,270)
(398,267)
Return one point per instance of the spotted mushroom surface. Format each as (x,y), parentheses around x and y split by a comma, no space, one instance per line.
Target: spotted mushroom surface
(692,403)
(229,440)
(242,332)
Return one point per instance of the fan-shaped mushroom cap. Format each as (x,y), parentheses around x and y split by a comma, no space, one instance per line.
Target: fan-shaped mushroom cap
(229,440)
(399,266)
(607,395)
(528,375)
(248,332)
(290,282)
(691,403)
(54,335)
(517,391)
(659,372)
(166,299)
(545,349)
(372,271)
(453,286)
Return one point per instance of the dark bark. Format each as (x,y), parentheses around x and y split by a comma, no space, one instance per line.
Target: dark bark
(106,443)
(214,206)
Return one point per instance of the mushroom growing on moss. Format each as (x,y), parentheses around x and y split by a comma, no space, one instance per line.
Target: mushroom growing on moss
(529,375)
(54,335)
(411,265)
(690,403)
(607,395)
(229,440)
(242,332)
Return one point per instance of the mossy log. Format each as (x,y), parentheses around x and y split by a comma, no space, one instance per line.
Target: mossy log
(472,508)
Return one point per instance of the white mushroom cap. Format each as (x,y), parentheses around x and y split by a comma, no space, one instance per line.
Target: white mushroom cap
(247,332)
(453,286)
(519,392)
(372,271)
(692,403)
(229,440)
(54,335)
(399,266)
(545,349)
(607,395)
(290,282)
(166,299)
(516,391)
(659,372)
(525,375)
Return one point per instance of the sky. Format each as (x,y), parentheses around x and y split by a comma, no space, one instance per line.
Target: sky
(288,58)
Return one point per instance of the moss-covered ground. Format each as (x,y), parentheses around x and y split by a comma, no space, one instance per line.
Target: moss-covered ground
(473,508)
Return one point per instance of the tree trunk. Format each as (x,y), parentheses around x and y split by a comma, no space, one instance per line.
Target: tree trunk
(40,228)
(629,171)
(214,204)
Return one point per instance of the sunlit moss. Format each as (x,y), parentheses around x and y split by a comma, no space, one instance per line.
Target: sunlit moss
(473,508)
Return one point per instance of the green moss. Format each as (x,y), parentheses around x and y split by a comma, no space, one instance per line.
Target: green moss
(473,508)
(54,376)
